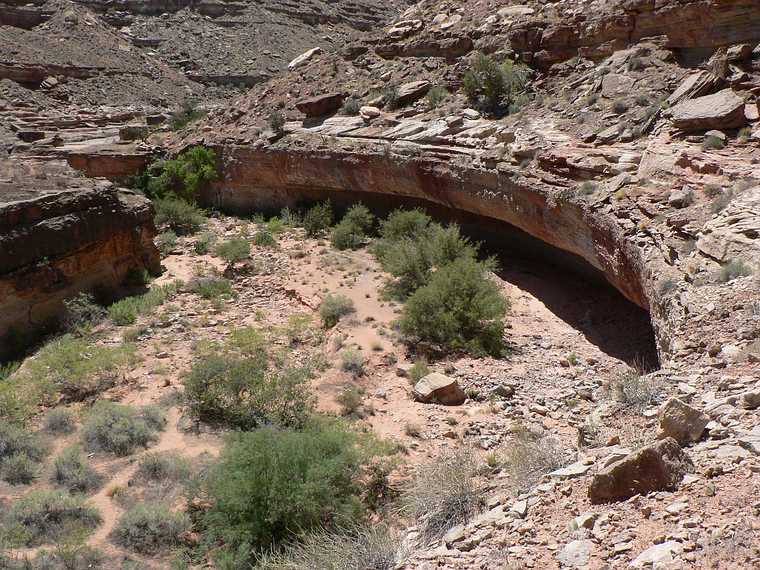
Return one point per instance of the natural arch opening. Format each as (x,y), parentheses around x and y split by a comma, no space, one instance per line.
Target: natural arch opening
(569,287)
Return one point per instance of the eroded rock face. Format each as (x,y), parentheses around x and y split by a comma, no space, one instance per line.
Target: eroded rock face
(61,234)
(656,467)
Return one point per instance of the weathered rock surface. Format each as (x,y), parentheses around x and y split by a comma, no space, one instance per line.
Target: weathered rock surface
(682,422)
(321,105)
(61,234)
(656,467)
(721,110)
(439,389)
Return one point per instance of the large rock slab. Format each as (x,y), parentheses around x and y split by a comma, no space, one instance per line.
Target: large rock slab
(721,110)
(321,105)
(682,422)
(656,467)
(410,92)
(437,388)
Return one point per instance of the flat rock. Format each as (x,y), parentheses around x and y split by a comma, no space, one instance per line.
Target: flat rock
(681,422)
(439,389)
(304,58)
(410,92)
(657,555)
(571,471)
(575,554)
(721,110)
(656,467)
(321,105)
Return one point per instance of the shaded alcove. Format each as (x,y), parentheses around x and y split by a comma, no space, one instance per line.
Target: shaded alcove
(571,288)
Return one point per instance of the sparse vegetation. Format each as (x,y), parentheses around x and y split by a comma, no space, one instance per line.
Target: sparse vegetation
(334,307)
(60,421)
(234,250)
(182,217)
(120,429)
(351,107)
(150,529)
(166,242)
(734,269)
(264,238)
(72,472)
(632,390)
(45,516)
(436,95)
(204,242)
(352,230)
(81,313)
(391,97)
(189,113)
(126,311)
(350,401)
(713,143)
(444,493)
(20,454)
(527,457)
(352,361)
(211,287)
(159,467)
(418,371)
(277,122)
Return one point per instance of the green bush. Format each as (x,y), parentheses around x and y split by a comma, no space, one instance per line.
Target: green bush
(234,250)
(126,311)
(47,516)
(212,288)
(277,122)
(734,269)
(352,361)
(187,114)
(150,529)
(119,429)
(418,371)
(334,307)
(460,309)
(351,400)
(166,242)
(270,484)
(158,467)
(264,239)
(353,228)
(318,219)
(247,393)
(181,217)
(72,472)
(183,177)
(60,421)
(401,224)
(81,313)
(391,96)
(18,469)
(204,242)
(436,95)
(493,85)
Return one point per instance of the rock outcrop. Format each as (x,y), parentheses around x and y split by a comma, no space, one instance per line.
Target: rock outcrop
(61,234)
(657,467)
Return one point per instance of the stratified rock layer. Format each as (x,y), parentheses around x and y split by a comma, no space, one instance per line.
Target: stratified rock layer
(61,234)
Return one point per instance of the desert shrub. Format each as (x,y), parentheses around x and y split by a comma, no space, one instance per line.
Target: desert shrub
(276,226)
(412,429)
(270,484)
(181,178)
(444,493)
(418,371)
(20,452)
(391,96)
(158,467)
(72,472)
(119,429)
(291,218)
(126,311)
(620,106)
(204,242)
(587,188)
(334,307)
(264,238)
(632,390)
(374,547)
(277,122)
(318,219)
(734,269)
(46,516)
(353,228)
(81,313)
(247,393)
(178,215)
(402,224)
(352,361)
(150,529)
(435,96)
(350,401)
(494,85)
(18,469)
(528,457)
(460,309)
(166,242)
(712,142)
(248,340)
(351,107)
(8,369)
(211,287)
(233,250)
(187,114)
(60,420)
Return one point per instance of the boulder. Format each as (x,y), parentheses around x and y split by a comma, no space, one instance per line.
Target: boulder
(437,388)
(320,105)
(656,467)
(368,112)
(304,57)
(410,92)
(681,422)
(721,110)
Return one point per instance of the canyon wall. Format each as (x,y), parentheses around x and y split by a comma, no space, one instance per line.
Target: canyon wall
(60,235)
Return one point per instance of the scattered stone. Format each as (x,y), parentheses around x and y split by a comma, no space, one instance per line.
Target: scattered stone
(586,520)
(575,554)
(520,508)
(571,471)
(439,389)
(656,467)
(722,110)
(657,555)
(368,112)
(681,422)
(321,105)
(751,400)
